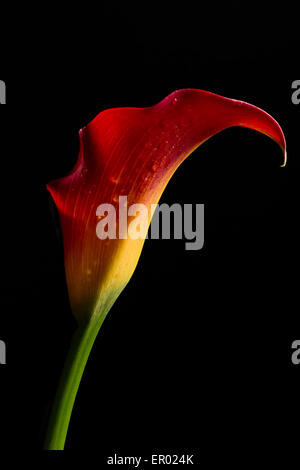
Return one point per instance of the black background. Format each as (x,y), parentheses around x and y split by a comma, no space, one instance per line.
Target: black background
(196,353)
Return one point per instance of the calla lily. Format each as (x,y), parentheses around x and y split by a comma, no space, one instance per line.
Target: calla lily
(131,152)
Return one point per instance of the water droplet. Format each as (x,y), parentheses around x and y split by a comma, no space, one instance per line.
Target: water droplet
(174,101)
(114,180)
(154,166)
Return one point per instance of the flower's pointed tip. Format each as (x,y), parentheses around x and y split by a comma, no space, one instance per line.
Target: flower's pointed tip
(284,157)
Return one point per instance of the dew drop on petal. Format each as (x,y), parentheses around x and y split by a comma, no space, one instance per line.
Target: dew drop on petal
(113,180)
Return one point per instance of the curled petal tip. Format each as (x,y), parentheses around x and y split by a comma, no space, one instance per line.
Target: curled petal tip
(284,158)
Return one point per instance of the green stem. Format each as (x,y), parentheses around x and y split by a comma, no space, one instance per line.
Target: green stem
(81,346)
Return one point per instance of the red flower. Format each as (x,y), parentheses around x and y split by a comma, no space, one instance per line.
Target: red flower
(133,152)
(129,152)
